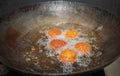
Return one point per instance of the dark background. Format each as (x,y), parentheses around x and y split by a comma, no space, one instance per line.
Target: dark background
(112,6)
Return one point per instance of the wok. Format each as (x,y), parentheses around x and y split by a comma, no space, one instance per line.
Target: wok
(21,27)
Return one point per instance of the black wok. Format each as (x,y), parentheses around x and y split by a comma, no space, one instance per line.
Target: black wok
(22,25)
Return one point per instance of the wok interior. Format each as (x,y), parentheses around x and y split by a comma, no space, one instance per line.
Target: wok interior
(28,21)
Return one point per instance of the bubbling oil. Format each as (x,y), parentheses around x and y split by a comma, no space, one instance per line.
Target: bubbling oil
(32,47)
(83,36)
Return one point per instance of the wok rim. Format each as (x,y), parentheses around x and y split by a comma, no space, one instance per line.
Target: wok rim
(72,73)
